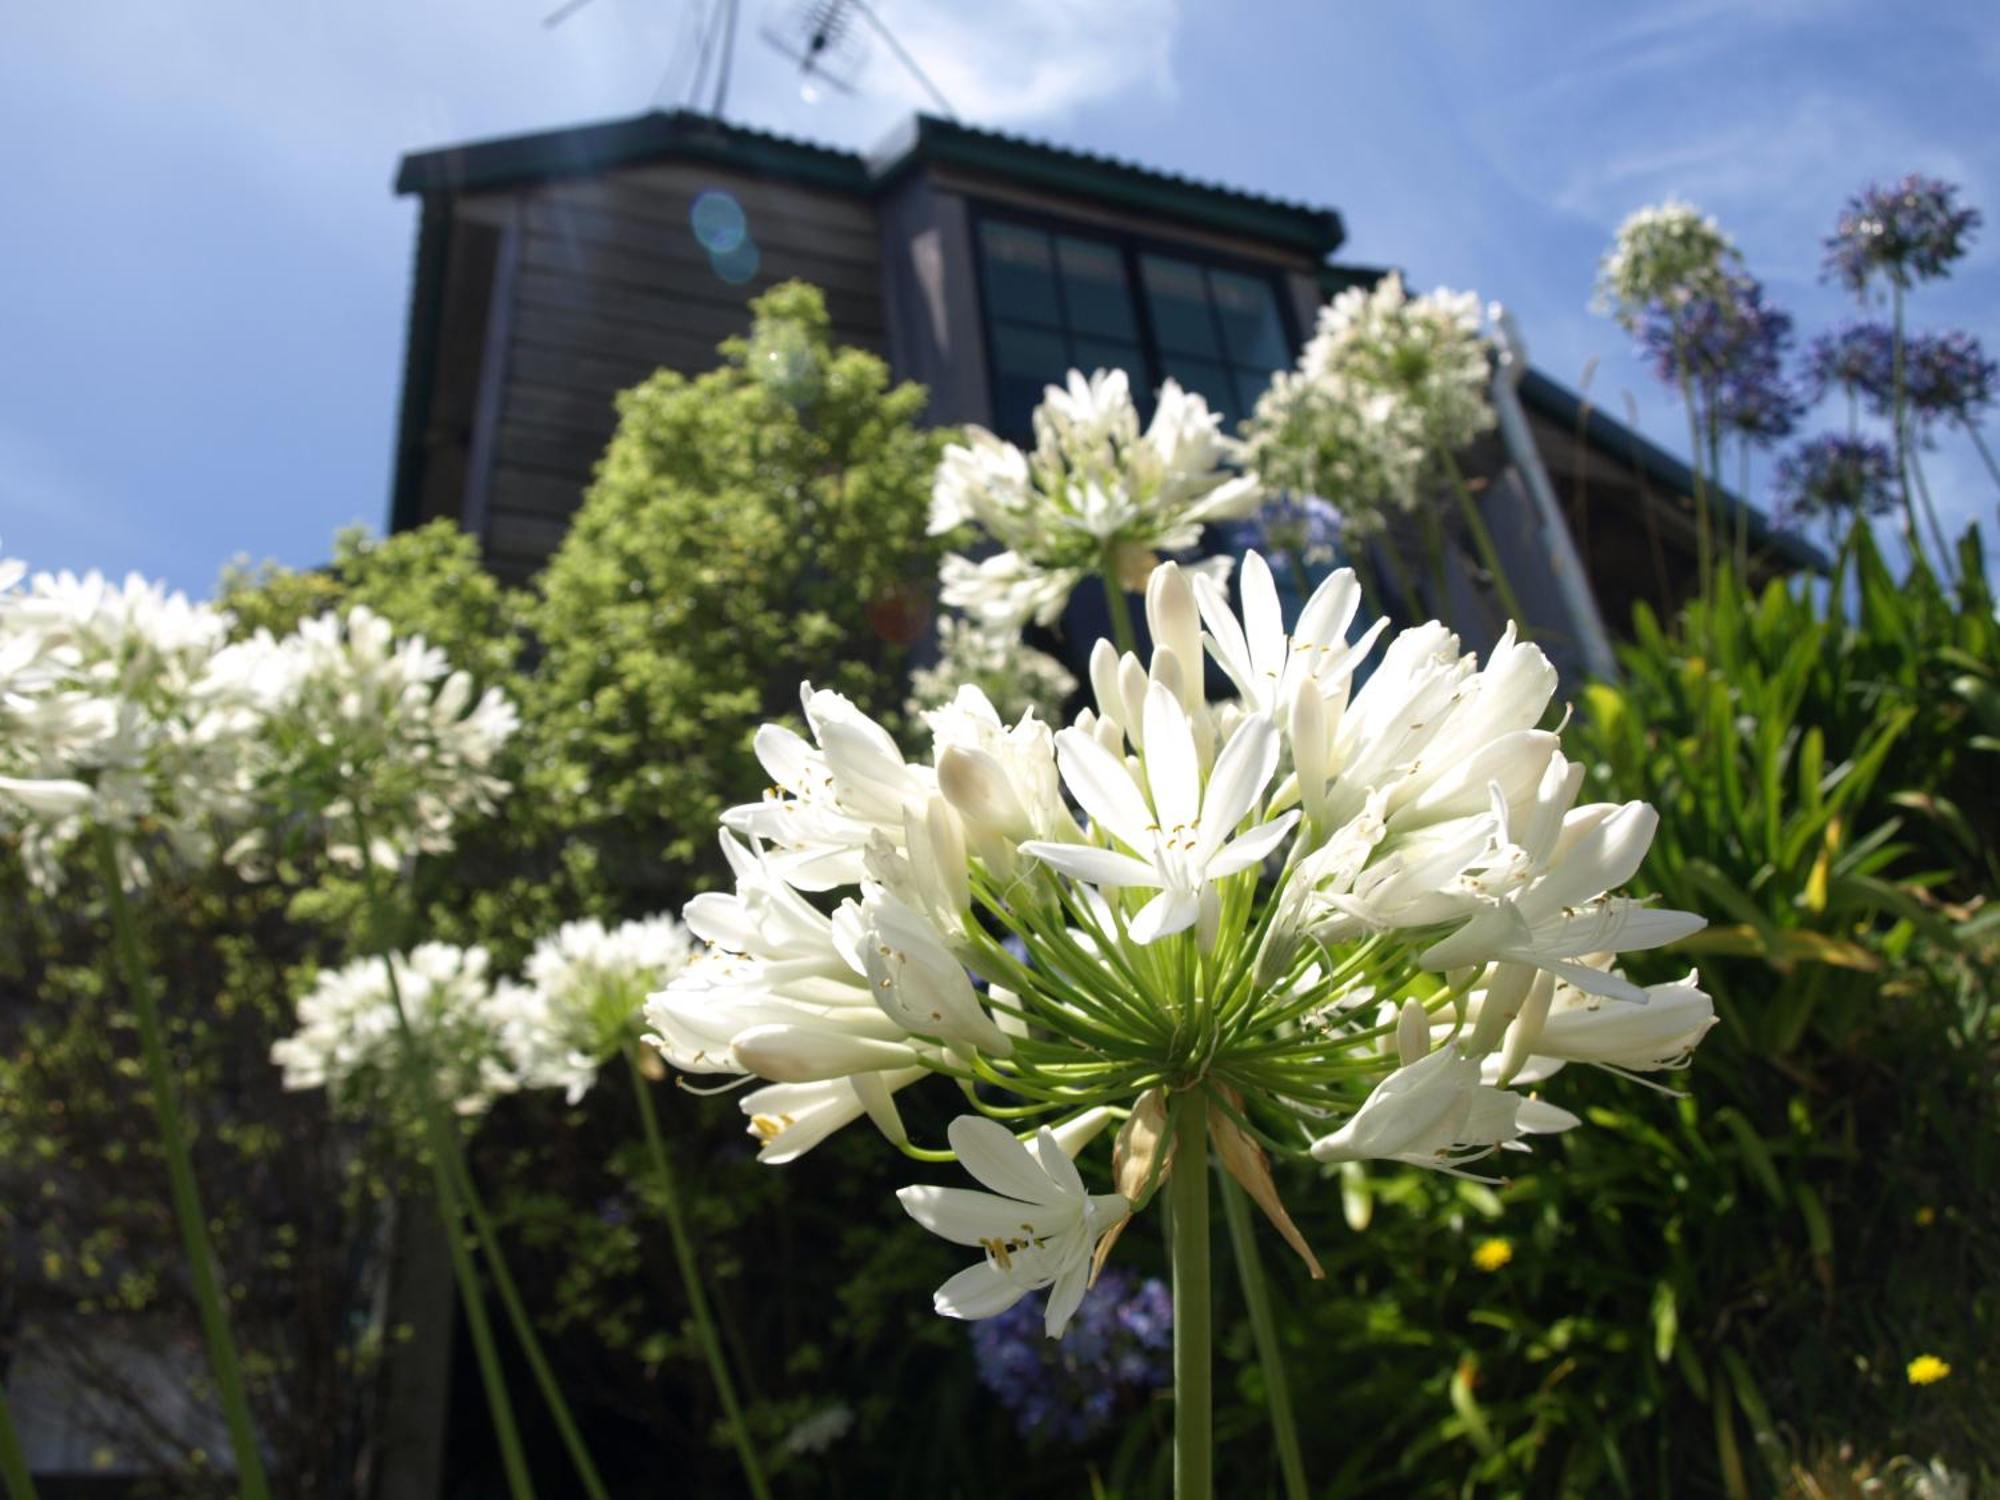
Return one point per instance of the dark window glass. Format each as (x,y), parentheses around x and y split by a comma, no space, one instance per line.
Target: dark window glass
(1025,361)
(1178,300)
(1252,332)
(1094,290)
(1058,301)
(1020,274)
(1211,379)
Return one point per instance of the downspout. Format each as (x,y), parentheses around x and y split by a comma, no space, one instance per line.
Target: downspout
(1572,584)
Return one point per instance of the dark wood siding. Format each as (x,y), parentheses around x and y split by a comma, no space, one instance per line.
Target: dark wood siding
(611,285)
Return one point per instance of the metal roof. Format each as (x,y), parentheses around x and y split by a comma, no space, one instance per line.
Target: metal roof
(681,134)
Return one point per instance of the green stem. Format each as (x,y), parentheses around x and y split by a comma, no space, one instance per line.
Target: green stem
(1897,418)
(498,1404)
(13,1463)
(1264,1328)
(1483,540)
(1187,1213)
(1703,544)
(1931,517)
(1985,453)
(222,1356)
(1121,612)
(441,1140)
(690,1269)
(461,1195)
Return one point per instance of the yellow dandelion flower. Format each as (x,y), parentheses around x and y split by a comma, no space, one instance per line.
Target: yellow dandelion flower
(1492,1254)
(1926,1216)
(1927,1369)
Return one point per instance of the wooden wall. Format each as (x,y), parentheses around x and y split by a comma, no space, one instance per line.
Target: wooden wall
(601,282)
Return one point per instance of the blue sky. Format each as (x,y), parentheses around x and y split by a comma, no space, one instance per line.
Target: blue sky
(207,276)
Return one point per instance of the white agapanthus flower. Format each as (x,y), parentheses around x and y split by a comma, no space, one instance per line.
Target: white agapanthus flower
(1386,383)
(1663,254)
(1096,495)
(349,1039)
(586,986)
(113,715)
(372,731)
(1038,1226)
(1318,919)
(1012,675)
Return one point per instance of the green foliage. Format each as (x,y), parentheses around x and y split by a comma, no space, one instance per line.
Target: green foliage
(1699,1297)
(749,529)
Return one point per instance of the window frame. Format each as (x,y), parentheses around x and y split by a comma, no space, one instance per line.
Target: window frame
(1131,246)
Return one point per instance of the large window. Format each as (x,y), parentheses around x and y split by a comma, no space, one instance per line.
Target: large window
(1058,300)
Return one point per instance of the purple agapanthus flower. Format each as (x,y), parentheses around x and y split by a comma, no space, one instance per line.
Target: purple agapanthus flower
(1292,531)
(1117,1349)
(1734,347)
(1854,359)
(1947,376)
(1834,477)
(1910,231)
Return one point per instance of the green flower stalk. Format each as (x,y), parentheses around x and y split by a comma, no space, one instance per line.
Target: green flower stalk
(1313,922)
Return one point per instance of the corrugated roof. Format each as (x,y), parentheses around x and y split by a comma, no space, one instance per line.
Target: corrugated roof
(583,149)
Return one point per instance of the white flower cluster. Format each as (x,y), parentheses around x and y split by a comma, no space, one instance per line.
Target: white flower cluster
(586,985)
(1013,675)
(371,731)
(1387,381)
(1097,494)
(349,1036)
(1666,253)
(1356,914)
(484,1036)
(112,716)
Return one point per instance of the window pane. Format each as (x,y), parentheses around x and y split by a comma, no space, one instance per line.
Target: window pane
(1020,274)
(1107,354)
(1094,288)
(1250,385)
(1178,300)
(1248,311)
(1024,361)
(1211,380)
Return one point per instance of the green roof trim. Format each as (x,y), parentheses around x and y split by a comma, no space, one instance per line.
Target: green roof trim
(930,141)
(685,136)
(1564,406)
(579,150)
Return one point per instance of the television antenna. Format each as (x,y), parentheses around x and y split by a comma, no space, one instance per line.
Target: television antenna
(820,36)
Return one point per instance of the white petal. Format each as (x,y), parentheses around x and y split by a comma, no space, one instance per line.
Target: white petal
(1251,848)
(1105,867)
(1065,1296)
(1263,625)
(1166,914)
(807,1054)
(980,1291)
(1103,787)
(1242,771)
(967,1217)
(990,1152)
(1171,769)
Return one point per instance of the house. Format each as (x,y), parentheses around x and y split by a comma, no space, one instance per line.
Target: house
(555,269)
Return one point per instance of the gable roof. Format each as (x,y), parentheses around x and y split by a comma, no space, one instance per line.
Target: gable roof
(581,150)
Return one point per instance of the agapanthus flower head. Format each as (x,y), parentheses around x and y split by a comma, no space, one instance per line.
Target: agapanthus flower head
(1323,435)
(350,1042)
(1664,256)
(1947,377)
(1387,381)
(586,990)
(1315,910)
(1013,675)
(1732,345)
(1834,478)
(1298,533)
(1119,1349)
(1854,359)
(1095,489)
(113,716)
(369,731)
(1903,233)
